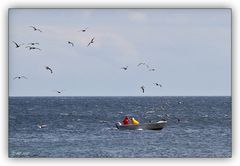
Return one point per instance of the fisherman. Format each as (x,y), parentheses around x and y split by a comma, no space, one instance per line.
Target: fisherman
(126,121)
(134,121)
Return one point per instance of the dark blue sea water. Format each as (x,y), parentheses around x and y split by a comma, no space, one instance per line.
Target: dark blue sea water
(85,127)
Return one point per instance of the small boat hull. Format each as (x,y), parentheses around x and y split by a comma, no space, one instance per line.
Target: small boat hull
(146,126)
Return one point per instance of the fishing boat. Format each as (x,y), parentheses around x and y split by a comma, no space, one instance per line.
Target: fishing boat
(145,126)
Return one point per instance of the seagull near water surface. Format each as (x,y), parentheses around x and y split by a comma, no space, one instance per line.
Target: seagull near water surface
(41,126)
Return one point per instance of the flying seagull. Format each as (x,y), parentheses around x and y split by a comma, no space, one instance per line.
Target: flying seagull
(157,84)
(59,91)
(41,126)
(142,87)
(91,42)
(35,29)
(48,68)
(33,48)
(71,43)
(124,68)
(33,44)
(84,30)
(19,77)
(143,64)
(152,69)
(17,45)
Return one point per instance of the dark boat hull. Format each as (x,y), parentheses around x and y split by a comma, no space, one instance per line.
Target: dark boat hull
(147,126)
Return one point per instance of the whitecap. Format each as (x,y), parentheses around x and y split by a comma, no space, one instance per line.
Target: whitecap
(64,114)
(70,126)
(103,121)
(150,112)
(191,131)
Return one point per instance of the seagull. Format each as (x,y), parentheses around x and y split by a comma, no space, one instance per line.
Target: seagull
(152,69)
(41,126)
(91,42)
(167,115)
(17,45)
(143,64)
(48,68)
(19,77)
(178,119)
(33,48)
(35,29)
(71,43)
(142,87)
(84,30)
(124,68)
(33,44)
(157,84)
(59,91)
(140,64)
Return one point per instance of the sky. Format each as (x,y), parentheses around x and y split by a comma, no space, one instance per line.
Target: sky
(190,50)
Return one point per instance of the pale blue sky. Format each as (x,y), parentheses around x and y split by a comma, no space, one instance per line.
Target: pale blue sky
(189,48)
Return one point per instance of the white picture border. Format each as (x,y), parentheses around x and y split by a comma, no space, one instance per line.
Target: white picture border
(5,4)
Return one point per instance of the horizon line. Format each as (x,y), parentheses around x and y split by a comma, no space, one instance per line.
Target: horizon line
(133,96)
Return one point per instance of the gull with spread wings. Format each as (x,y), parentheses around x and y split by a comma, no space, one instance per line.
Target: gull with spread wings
(36,29)
(48,68)
(20,77)
(71,43)
(83,30)
(143,88)
(144,64)
(33,48)
(17,45)
(92,40)
(124,68)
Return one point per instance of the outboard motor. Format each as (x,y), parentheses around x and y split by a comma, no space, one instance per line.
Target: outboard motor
(118,124)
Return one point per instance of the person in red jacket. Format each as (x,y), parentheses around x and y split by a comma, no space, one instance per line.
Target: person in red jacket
(126,121)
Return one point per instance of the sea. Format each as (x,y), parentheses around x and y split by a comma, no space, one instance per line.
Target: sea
(84,127)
